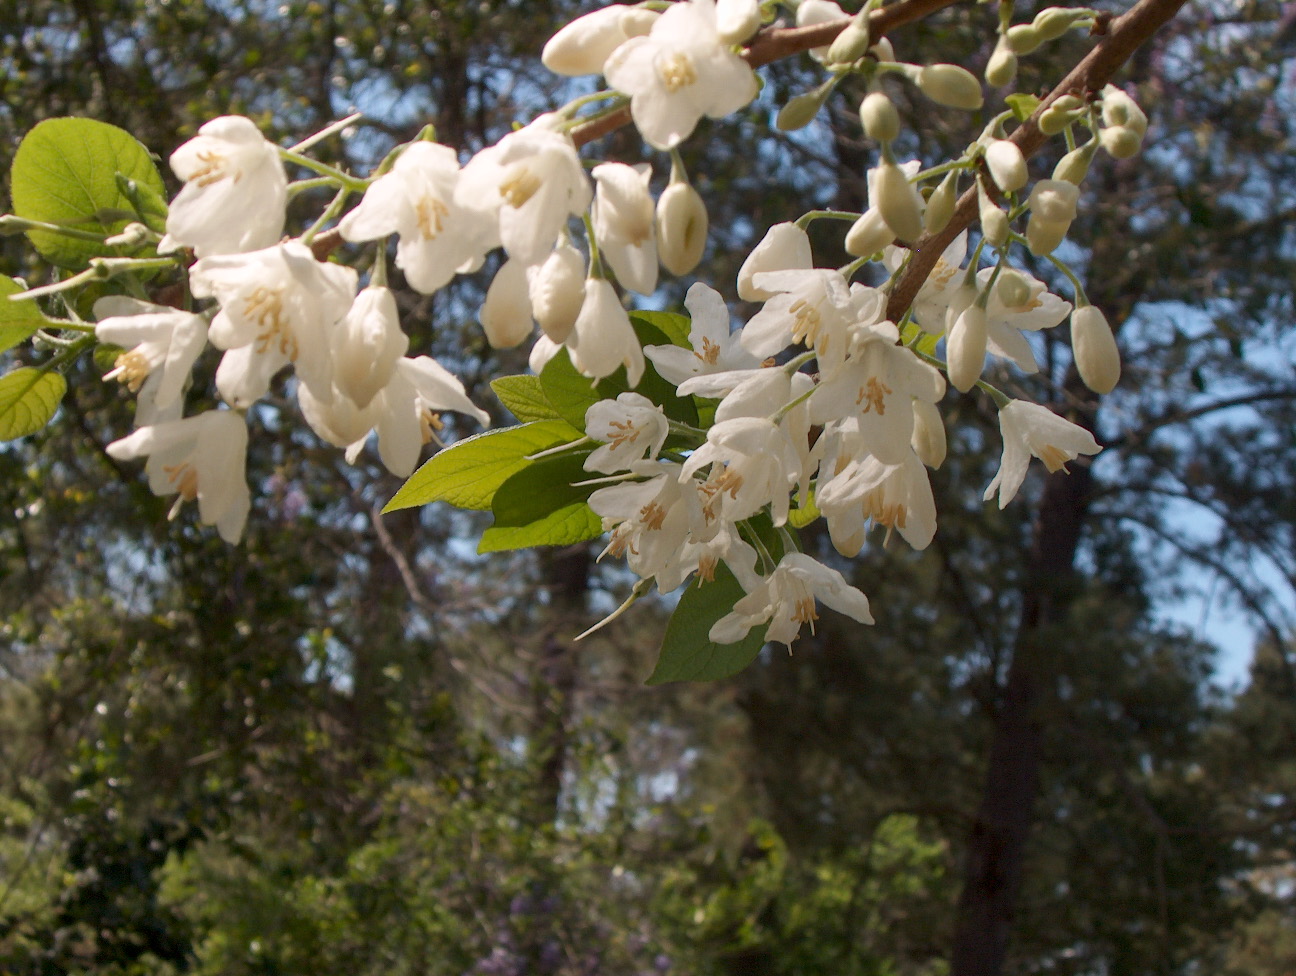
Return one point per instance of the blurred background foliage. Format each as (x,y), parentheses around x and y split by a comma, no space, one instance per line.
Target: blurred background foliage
(352,746)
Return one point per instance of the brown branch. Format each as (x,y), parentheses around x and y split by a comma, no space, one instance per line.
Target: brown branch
(1124,36)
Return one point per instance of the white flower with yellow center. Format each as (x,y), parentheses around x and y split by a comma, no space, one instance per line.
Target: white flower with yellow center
(1030,429)
(868,490)
(1019,304)
(416,200)
(715,348)
(786,599)
(680,72)
(278,306)
(235,193)
(624,224)
(631,428)
(161,345)
(198,458)
(603,338)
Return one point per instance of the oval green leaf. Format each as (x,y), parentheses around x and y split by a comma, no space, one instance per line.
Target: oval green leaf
(65,172)
(18,320)
(688,653)
(539,506)
(28,399)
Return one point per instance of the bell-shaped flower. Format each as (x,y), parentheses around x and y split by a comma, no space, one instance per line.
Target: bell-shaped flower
(785,247)
(631,428)
(439,236)
(940,290)
(202,458)
(1009,315)
(603,337)
(786,599)
(624,224)
(715,348)
(582,47)
(754,464)
(1030,429)
(868,490)
(235,193)
(530,183)
(161,346)
(506,313)
(681,71)
(649,521)
(278,305)
(814,307)
(367,345)
(557,290)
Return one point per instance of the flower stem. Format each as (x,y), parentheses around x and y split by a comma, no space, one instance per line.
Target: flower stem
(353,183)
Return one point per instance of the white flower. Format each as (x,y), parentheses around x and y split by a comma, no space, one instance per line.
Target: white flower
(624,224)
(755,464)
(506,313)
(556,289)
(681,71)
(965,348)
(898,496)
(278,305)
(786,599)
(1005,323)
(367,344)
(201,458)
(681,228)
(737,20)
(715,348)
(1096,356)
(530,182)
(631,427)
(928,439)
(416,200)
(784,247)
(649,522)
(603,337)
(814,307)
(161,345)
(942,287)
(235,191)
(582,47)
(1028,428)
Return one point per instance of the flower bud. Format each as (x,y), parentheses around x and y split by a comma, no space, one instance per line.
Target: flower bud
(800,110)
(638,22)
(1022,39)
(869,234)
(941,204)
(1121,142)
(852,43)
(928,440)
(506,313)
(582,47)
(1007,165)
(994,222)
(737,20)
(1052,121)
(965,348)
(1052,22)
(1118,109)
(1013,289)
(898,201)
(1054,200)
(1096,356)
(366,345)
(1043,236)
(811,12)
(883,50)
(681,228)
(1074,166)
(1001,69)
(879,117)
(556,289)
(785,247)
(1068,103)
(950,85)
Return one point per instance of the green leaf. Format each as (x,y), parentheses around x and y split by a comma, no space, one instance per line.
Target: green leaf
(1023,106)
(467,473)
(28,399)
(538,506)
(687,653)
(799,518)
(653,386)
(525,397)
(65,172)
(571,394)
(672,325)
(18,320)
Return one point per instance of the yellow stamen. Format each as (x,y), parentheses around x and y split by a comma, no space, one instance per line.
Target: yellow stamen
(872,395)
(265,307)
(710,353)
(430,211)
(677,72)
(131,368)
(184,476)
(652,516)
(213,169)
(1054,458)
(520,187)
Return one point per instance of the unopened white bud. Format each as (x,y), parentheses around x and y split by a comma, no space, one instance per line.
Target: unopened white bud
(506,313)
(785,247)
(556,289)
(1052,121)
(879,117)
(1052,22)
(1054,199)
(898,201)
(1022,39)
(1096,355)
(1121,142)
(638,21)
(940,205)
(1001,69)
(928,440)
(681,228)
(869,234)
(1068,103)
(951,85)
(132,234)
(737,20)
(1007,165)
(883,50)
(994,222)
(1043,236)
(965,348)
(852,43)
(801,110)
(1118,109)
(583,46)
(1074,166)
(1013,289)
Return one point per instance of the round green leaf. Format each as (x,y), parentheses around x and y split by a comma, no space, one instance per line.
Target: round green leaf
(28,399)
(65,172)
(18,320)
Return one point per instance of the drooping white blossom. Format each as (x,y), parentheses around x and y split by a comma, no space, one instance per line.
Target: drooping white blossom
(505,314)
(1006,322)
(715,348)
(603,338)
(367,343)
(869,490)
(235,193)
(582,47)
(681,71)
(557,290)
(1031,429)
(624,224)
(784,247)
(631,428)
(161,346)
